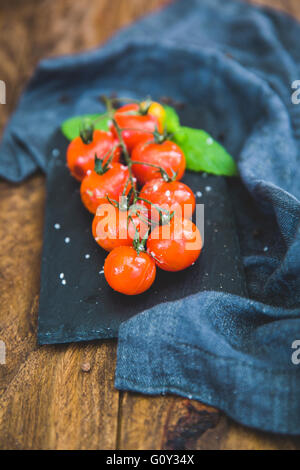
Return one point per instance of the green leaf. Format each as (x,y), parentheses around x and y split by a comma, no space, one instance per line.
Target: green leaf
(71,127)
(203,153)
(172,123)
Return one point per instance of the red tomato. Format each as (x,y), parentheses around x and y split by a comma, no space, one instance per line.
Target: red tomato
(166,155)
(112,228)
(94,187)
(81,156)
(173,196)
(175,246)
(139,126)
(128,272)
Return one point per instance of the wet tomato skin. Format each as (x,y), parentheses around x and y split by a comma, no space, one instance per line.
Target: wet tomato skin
(128,272)
(173,196)
(138,126)
(166,155)
(169,245)
(94,187)
(111,228)
(81,156)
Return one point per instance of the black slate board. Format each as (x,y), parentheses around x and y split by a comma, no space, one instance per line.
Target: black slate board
(86,308)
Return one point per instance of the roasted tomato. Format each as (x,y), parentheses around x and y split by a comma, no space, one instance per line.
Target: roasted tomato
(166,155)
(96,187)
(175,246)
(174,196)
(81,152)
(137,126)
(113,227)
(128,272)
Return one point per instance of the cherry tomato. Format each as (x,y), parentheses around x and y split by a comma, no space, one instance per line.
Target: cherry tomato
(81,156)
(128,272)
(175,246)
(112,227)
(166,155)
(156,109)
(94,187)
(139,126)
(173,196)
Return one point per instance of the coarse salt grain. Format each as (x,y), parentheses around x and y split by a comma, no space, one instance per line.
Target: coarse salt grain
(55,152)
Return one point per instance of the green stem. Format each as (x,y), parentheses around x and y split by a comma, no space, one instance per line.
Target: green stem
(126,156)
(162,171)
(159,209)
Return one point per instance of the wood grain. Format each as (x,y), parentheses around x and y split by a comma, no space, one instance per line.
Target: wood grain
(291,7)
(63,397)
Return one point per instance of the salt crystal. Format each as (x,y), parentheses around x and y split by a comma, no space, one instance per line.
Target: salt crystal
(64,282)
(57,226)
(208,189)
(87,256)
(61,275)
(55,153)
(67,240)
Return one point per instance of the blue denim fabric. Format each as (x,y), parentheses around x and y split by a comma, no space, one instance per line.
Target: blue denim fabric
(236,63)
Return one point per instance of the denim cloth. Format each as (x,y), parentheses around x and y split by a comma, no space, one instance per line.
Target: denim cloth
(237,62)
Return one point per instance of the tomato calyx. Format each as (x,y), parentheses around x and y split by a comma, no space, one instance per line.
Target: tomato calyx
(160,138)
(101,167)
(144,107)
(165,216)
(86,131)
(139,244)
(167,178)
(123,204)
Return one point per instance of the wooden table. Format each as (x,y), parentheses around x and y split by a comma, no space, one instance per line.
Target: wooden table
(46,400)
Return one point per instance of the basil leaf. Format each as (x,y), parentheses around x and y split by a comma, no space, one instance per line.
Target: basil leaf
(172,123)
(203,153)
(71,127)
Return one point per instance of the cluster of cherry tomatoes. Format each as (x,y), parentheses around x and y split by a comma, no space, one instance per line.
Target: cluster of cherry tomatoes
(130,180)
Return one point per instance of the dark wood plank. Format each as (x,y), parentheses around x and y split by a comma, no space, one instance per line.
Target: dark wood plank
(292,7)
(175,423)
(63,397)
